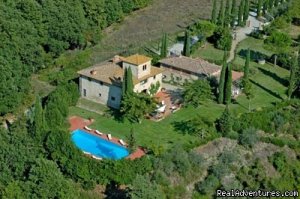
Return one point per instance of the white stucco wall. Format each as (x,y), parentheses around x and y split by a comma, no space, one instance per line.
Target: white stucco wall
(101,93)
(138,71)
(142,86)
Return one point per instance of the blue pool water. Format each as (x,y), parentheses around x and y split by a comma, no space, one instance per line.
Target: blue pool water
(98,146)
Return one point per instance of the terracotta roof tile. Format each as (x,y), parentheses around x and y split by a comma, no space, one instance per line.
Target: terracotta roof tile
(195,65)
(136,59)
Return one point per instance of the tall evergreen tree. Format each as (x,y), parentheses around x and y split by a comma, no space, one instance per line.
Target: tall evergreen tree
(164,46)
(293,77)
(233,13)
(246,11)
(224,123)
(187,44)
(227,14)
(38,121)
(214,12)
(247,63)
(276,3)
(124,82)
(222,80)
(240,14)
(221,14)
(228,84)
(129,82)
(258,8)
(271,4)
(265,6)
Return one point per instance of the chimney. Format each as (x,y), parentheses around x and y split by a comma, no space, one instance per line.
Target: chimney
(116,59)
(93,72)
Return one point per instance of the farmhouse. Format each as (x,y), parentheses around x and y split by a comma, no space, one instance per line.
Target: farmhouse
(102,82)
(181,68)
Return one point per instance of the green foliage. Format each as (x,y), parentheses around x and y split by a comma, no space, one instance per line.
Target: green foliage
(164,46)
(154,88)
(233,13)
(142,187)
(225,122)
(214,12)
(228,85)
(227,14)
(222,38)
(222,80)
(209,185)
(127,84)
(203,28)
(131,141)
(249,137)
(33,33)
(187,44)
(279,41)
(293,80)
(246,11)
(196,92)
(134,107)
(241,13)
(258,8)
(38,121)
(221,16)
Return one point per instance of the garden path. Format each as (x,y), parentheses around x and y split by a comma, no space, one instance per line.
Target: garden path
(242,33)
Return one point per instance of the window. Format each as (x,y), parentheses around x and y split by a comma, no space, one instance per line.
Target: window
(144,67)
(84,92)
(154,76)
(99,94)
(89,79)
(144,81)
(113,98)
(101,83)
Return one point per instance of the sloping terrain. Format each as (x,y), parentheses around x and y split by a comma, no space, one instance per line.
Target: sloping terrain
(146,25)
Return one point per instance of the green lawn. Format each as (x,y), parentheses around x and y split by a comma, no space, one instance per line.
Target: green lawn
(210,53)
(148,133)
(268,87)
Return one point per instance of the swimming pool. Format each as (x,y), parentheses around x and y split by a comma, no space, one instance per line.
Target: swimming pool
(98,146)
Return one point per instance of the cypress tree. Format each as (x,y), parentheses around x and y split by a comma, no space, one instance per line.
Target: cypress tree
(187,44)
(276,3)
(258,8)
(38,119)
(124,82)
(221,14)
(233,13)
(247,63)
(224,123)
(222,80)
(265,6)
(129,82)
(227,13)
(214,12)
(271,4)
(292,79)
(240,15)
(246,11)
(228,84)
(164,46)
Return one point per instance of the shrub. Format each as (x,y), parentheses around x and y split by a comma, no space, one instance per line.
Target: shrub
(249,137)
(279,40)
(222,38)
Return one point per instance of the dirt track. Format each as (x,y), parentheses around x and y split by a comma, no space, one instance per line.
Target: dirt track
(143,26)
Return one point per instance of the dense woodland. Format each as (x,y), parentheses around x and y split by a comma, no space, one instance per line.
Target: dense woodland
(34,32)
(39,160)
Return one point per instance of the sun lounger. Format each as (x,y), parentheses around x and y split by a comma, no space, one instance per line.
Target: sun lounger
(96,158)
(98,132)
(109,136)
(87,128)
(122,142)
(86,153)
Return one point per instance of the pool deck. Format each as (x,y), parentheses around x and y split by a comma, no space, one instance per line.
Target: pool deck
(79,123)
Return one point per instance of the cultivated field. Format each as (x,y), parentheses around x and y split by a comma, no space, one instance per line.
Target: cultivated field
(146,25)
